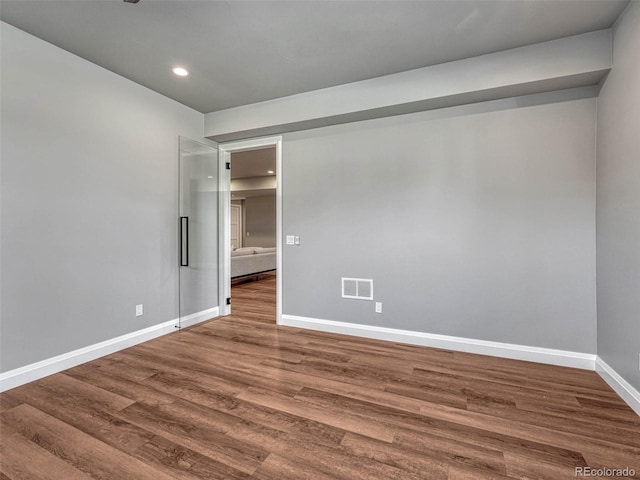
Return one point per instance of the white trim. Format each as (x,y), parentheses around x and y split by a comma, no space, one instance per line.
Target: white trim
(623,388)
(250,144)
(224,235)
(497,349)
(29,373)
(198,317)
(226,149)
(279,230)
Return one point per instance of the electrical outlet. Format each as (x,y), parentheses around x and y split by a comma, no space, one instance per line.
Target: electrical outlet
(139,310)
(378,307)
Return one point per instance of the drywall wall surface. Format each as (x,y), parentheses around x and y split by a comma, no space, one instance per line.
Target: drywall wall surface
(618,203)
(260,221)
(474,221)
(89,202)
(575,61)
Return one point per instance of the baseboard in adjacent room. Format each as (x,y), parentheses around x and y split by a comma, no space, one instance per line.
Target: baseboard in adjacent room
(623,388)
(29,373)
(483,347)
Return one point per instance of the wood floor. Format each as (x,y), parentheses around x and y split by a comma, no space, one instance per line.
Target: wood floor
(240,398)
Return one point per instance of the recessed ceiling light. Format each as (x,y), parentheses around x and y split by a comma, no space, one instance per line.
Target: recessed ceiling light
(209,176)
(270,172)
(181,72)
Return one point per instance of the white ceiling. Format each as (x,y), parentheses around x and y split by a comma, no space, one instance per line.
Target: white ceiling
(240,52)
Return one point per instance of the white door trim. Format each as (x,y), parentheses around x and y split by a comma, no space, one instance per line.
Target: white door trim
(225,272)
(224,233)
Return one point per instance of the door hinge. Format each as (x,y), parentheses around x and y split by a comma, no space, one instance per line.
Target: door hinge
(228,300)
(228,165)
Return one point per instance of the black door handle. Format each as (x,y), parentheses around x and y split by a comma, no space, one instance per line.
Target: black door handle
(184,241)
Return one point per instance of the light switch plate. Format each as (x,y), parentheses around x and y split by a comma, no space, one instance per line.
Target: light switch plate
(139,310)
(291,240)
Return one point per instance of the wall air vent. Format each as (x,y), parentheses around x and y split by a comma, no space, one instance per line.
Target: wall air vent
(358,288)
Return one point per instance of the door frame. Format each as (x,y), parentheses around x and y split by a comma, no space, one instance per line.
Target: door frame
(225,150)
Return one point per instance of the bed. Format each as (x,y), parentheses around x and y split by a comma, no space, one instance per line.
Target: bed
(252,261)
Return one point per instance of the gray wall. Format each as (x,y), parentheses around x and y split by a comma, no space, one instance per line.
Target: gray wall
(618,203)
(260,221)
(473,221)
(562,63)
(89,202)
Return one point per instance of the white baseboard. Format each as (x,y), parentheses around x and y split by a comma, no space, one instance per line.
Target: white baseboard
(198,317)
(29,373)
(497,349)
(550,356)
(627,392)
(623,388)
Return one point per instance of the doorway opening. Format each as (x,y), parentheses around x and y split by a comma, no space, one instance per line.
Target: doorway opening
(252,249)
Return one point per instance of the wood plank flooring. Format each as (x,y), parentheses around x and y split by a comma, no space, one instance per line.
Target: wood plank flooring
(240,398)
